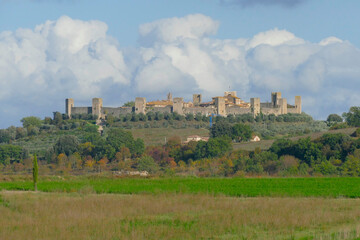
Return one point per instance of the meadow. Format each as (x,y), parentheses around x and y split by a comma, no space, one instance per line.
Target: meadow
(30,215)
(235,187)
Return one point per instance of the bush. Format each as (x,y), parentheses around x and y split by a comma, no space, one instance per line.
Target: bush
(147,163)
(352,117)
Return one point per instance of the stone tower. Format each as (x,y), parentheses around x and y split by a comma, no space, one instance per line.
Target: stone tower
(275,96)
(230,93)
(298,104)
(97,104)
(140,105)
(255,106)
(178,106)
(197,98)
(220,106)
(69,103)
(283,105)
(169,97)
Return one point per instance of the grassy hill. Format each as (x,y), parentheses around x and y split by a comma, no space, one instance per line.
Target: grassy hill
(158,136)
(266,144)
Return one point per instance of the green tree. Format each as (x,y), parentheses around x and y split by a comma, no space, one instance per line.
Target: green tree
(139,147)
(334,118)
(353,117)
(91,128)
(159,116)
(352,166)
(66,144)
(35,172)
(325,168)
(20,132)
(150,116)
(57,118)
(31,121)
(5,136)
(282,147)
(189,117)
(218,146)
(308,151)
(198,117)
(11,153)
(221,128)
(129,104)
(356,133)
(147,163)
(118,138)
(241,132)
(200,150)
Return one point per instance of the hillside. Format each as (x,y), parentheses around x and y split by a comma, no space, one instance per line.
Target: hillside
(291,144)
(266,144)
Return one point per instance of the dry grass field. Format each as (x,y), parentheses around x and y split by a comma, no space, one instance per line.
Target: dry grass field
(83,215)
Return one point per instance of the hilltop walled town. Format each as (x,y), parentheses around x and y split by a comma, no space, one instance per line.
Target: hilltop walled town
(221,105)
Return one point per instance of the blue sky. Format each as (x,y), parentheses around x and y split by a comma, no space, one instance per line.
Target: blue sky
(300,47)
(312,20)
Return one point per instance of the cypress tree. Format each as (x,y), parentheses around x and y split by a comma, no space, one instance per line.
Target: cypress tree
(35,172)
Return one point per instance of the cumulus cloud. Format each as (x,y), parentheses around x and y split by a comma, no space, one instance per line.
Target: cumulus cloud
(250,3)
(176,29)
(40,67)
(58,59)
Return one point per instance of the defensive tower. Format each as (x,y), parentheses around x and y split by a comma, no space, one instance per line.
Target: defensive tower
(140,105)
(197,98)
(69,103)
(97,104)
(298,104)
(255,106)
(178,106)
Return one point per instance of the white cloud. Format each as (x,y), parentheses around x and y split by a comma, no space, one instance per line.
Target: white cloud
(274,37)
(74,58)
(330,40)
(176,29)
(58,59)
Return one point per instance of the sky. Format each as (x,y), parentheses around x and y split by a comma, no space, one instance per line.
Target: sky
(117,50)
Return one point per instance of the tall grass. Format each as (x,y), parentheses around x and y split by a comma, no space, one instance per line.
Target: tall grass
(174,216)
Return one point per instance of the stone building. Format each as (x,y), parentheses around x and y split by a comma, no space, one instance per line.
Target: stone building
(221,105)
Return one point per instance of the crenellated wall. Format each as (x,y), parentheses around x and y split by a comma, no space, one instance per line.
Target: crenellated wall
(223,106)
(237,110)
(81,110)
(167,109)
(117,112)
(203,110)
(267,111)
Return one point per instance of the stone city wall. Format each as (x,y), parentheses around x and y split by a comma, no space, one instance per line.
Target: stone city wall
(116,112)
(81,110)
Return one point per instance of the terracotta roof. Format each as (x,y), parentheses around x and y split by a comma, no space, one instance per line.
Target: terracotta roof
(232,96)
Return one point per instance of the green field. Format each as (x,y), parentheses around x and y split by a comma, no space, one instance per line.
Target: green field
(244,187)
